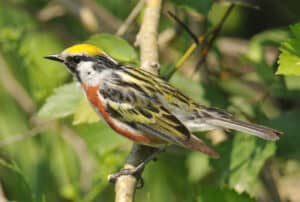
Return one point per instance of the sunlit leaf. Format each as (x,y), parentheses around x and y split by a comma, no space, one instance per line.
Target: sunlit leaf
(62,103)
(188,87)
(15,183)
(198,166)
(117,47)
(241,161)
(213,194)
(248,156)
(289,59)
(43,75)
(84,113)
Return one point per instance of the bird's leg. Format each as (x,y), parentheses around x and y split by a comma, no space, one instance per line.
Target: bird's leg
(136,172)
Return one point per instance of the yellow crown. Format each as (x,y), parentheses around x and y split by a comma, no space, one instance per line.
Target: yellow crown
(86,49)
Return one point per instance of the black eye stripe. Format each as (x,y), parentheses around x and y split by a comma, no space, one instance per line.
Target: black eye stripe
(76,59)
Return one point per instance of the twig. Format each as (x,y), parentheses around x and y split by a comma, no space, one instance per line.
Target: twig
(202,40)
(134,13)
(186,28)
(207,46)
(2,195)
(126,185)
(52,10)
(270,183)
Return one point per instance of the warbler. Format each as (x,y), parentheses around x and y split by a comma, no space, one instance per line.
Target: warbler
(144,108)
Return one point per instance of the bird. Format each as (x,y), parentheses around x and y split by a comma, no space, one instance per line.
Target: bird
(145,108)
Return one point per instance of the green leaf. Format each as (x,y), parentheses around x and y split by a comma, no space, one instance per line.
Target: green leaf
(198,166)
(170,182)
(247,159)
(62,103)
(288,145)
(188,87)
(100,138)
(213,194)
(12,118)
(14,182)
(43,75)
(116,47)
(241,161)
(289,59)
(84,113)
(166,71)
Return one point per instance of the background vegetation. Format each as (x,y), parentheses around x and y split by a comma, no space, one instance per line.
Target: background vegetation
(53,148)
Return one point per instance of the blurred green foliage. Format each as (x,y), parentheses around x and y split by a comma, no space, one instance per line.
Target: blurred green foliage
(289,60)
(62,152)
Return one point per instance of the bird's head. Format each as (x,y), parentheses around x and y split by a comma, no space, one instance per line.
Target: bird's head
(84,60)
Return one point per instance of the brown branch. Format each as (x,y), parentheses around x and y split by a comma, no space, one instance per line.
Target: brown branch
(212,37)
(2,195)
(147,40)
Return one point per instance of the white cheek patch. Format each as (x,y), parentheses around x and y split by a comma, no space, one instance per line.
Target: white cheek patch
(84,66)
(90,76)
(87,73)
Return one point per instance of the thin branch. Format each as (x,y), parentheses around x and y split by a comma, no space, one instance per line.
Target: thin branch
(147,40)
(129,20)
(2,195)
(203,40)
(52,10)
(186,28)
(207,46)
(269,181)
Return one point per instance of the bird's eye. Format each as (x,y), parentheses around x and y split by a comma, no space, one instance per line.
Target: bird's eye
(76,59)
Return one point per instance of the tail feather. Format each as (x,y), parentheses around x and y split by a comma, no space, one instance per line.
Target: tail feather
(197,144)
(250,128)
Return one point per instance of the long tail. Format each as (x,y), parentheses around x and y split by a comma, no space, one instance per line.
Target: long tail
(250,128)
(197,144)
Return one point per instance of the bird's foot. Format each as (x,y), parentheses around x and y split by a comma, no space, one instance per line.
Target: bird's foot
(137,171)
